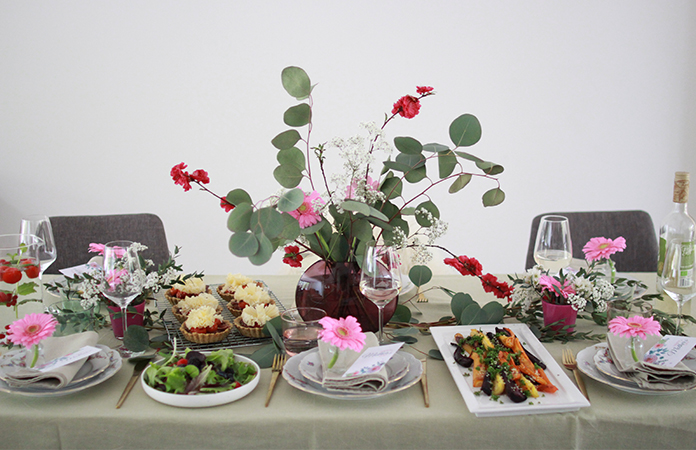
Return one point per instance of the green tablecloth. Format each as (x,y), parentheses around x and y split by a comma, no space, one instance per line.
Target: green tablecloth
(296,419)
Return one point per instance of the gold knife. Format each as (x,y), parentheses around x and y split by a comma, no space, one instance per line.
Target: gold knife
(139,367)
(424,383)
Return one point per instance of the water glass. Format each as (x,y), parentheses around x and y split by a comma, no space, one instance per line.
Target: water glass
(301,329)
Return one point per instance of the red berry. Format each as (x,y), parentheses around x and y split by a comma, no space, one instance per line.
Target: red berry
(12,275)
(182,362)
(32,271)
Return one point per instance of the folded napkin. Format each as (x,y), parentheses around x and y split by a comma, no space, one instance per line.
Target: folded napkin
(647,375)
(53,347)
(333,379)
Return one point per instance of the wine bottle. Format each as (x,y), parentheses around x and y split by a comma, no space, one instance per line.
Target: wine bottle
(678,225)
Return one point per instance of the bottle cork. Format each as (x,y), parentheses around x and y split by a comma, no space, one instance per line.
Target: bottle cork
(681,187)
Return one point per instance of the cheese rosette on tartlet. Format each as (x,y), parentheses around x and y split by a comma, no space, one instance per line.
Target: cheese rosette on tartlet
(250,323)
(182,309)
(189,288)
(250,295)
(204,326)
(233,282)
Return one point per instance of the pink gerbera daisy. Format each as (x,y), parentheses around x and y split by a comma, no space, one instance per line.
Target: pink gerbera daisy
(555,287)
(305,214)
(31,329)
(599,248)
(343,333)
(635,326)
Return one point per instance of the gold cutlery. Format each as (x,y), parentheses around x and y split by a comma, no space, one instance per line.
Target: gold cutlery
(570,364)
(278,363)
(139,367)
(424,383)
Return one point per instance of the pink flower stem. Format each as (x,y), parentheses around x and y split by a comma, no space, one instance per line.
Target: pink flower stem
(36,355)
(334,359)
(633,349)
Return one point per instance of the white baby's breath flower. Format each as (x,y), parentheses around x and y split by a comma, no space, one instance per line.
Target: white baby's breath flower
(577,302)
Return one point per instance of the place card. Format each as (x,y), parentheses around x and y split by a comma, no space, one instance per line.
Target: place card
(372,360)
(670,350)
(77,355)
(71,272)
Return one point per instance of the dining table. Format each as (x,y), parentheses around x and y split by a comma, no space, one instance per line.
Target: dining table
(296,419)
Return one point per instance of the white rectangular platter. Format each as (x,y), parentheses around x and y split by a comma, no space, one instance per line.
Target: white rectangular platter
(567,398)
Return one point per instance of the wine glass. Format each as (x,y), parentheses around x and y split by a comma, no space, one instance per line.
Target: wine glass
(677,277)
(40,226)
(553,248)
(122,281)
(380,278)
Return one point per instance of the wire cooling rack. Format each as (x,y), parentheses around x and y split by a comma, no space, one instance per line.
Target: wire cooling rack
(234,339)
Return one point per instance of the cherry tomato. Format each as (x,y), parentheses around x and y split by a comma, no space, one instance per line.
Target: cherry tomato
(32,271)
(12,275)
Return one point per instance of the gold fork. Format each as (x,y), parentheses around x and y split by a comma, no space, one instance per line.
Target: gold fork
(278,363)
(570,364)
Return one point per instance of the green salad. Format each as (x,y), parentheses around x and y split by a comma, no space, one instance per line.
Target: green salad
(195,373)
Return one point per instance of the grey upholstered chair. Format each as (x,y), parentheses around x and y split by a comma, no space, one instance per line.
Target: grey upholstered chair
(637,227)
(73,234)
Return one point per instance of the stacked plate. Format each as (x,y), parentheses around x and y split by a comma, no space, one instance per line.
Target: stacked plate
(596,362)
(99,367)
(304,372)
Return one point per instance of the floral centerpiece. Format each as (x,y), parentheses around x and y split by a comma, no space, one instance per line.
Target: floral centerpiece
(334,216)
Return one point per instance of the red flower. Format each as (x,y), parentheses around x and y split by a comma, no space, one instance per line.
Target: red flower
(491,284)
(465,265)
(422,90)
(227,206)
(201,176)
(292,256)
(180,176)
(407,106)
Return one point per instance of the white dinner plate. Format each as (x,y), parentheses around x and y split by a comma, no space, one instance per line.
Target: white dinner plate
(567,398)
(114,366)
(294,377)
(203,400)
(586,364)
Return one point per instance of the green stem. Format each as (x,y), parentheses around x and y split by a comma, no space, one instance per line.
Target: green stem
(335,358)
(36,355)
(633,349)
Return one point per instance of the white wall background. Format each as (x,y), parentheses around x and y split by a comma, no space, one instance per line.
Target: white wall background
(589,105)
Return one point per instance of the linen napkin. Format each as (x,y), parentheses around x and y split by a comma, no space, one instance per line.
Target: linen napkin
(333,379)
(648,375)
(54,347)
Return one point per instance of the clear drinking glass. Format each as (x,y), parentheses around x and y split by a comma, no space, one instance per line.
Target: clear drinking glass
(380,278)
(40,226)
(301,329)
(677,277)
(122,280)
(553,248)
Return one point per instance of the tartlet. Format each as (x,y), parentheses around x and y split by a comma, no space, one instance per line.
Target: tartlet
(232,283)
(185,306)
(191,287)
(249,295)
(205,326)
(250,323)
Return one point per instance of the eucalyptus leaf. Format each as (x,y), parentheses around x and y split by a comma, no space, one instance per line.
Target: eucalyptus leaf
(290,200)
(136,338)
(401,314)
(267,221)
(415,175)
(287,175)
(264,356)
(314,228)
(243,244)
(465,130)
(374,212)
(412,160)
(399,167)
(407,331)
(293,157)
(355,206)
(298,115)
(408,145)
(431,208)
(264,253)
(493,197)
(238,196)
(291,229)
(420,275)
(446,161)
(461,182)
(362,230)
(435,354)
(468,156)
(296,82)
(391,187)
(274,328)
(405,339)
(489,168)
(459,302)
(286,139)
(435,148)
(239,218)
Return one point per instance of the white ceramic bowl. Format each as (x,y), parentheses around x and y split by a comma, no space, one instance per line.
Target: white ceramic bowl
(203,400)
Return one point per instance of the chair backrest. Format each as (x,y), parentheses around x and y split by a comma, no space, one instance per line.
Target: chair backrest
(73,234)
(636,227)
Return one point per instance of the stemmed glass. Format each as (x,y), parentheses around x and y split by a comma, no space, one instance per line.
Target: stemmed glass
(40,226)
(677,277)
(122,281)
(380,279)
(553,248)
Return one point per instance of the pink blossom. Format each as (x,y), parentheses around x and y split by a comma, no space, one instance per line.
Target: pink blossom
(31,329)
(371,185)
(343,333)
(305,214)
(96,248)
(599,248)
(635,326)
(113,278)
(554,286)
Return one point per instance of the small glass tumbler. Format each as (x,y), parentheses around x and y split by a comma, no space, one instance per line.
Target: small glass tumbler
(301,329)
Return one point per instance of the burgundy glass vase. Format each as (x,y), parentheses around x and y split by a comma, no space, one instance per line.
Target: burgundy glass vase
(335,288)
(131,318)
(564,314)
